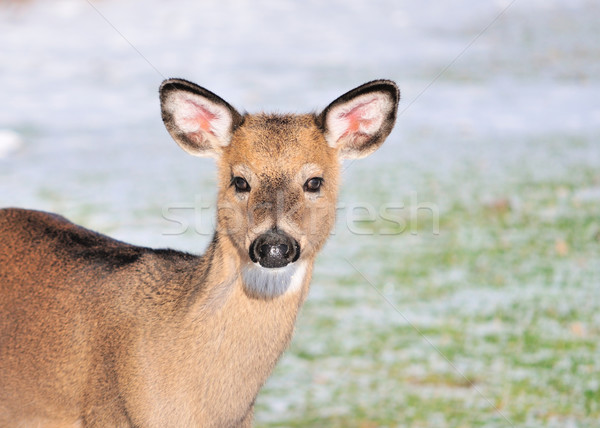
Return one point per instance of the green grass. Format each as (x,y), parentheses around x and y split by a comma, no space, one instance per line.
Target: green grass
(492,322)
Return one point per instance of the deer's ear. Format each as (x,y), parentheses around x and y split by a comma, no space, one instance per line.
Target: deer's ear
(358,122)
(198,120)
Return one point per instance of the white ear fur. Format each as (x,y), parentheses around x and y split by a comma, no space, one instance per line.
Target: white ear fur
(358,122)
(199,121)
(362,115)
(203,122)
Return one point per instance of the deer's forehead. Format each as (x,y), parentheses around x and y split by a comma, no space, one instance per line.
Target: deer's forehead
(275,175)
(272,144)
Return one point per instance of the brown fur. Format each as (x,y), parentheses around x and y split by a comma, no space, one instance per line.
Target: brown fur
(98,333)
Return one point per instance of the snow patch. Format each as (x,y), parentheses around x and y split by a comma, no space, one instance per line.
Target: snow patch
(10,141)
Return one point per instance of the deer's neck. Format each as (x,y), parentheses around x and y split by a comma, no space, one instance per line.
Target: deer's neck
(247,334)
(238,327)
(244,334)
(225,347)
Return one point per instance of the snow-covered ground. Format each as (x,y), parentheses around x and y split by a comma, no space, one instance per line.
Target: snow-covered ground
(494,87)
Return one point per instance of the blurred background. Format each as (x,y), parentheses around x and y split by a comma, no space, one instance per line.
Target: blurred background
(461,286)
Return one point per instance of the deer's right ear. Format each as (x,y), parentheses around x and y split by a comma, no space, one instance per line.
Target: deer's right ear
(199,121)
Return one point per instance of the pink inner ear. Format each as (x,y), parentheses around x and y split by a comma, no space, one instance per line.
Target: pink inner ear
(359,118)
(200,117)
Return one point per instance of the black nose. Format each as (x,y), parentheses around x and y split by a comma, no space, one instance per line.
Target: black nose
(274,249)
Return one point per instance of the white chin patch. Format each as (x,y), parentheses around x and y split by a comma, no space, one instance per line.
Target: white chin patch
(272,282)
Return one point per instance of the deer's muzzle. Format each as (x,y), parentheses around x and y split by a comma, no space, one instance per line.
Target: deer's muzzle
(274,249)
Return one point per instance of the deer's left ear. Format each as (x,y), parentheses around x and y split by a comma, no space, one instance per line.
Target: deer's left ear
(358,122)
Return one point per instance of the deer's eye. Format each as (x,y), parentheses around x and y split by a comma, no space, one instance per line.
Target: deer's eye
(313,184)
(241,185)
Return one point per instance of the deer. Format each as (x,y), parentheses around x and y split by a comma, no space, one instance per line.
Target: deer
(95,332)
